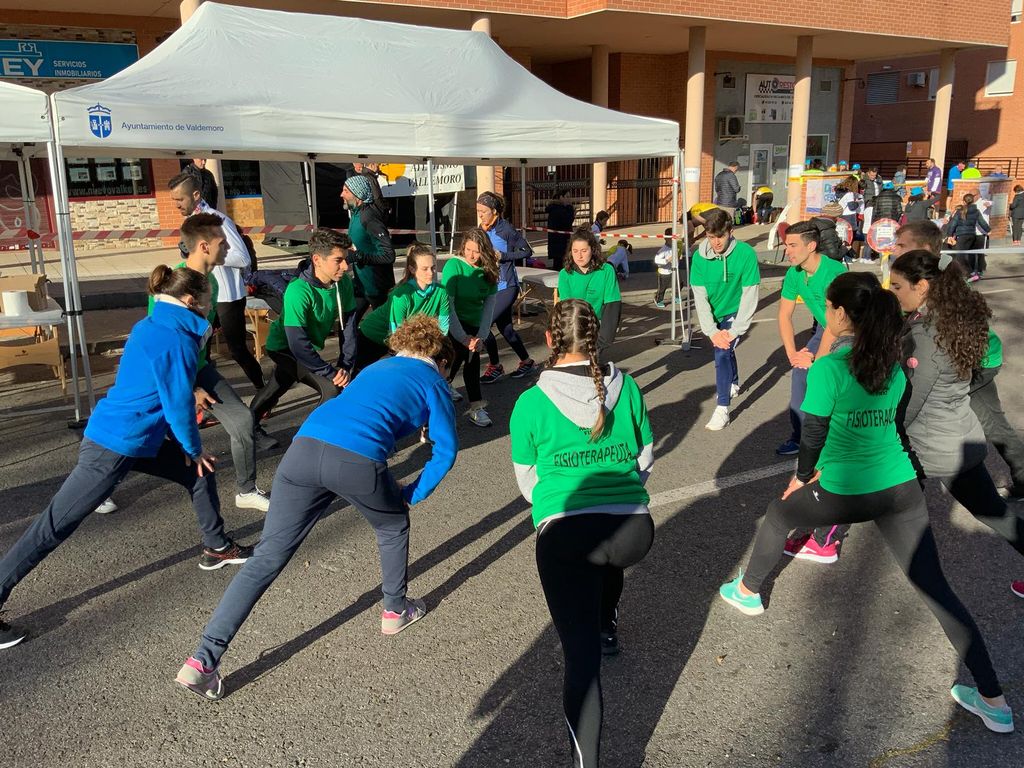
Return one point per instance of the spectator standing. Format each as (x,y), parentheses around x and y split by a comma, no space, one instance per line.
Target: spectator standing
(933,179)
(207,183)
(955,173)
(187,197)
(561,215)
(727,188)
(1017,213)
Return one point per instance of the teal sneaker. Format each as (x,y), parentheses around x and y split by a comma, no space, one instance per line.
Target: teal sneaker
(998,719)
(748,604)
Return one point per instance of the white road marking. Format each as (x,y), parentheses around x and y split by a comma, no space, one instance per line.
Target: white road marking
(999,290)
(722,483)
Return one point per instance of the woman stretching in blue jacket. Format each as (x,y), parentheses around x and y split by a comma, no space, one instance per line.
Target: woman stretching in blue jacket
(342,451)
(151,396)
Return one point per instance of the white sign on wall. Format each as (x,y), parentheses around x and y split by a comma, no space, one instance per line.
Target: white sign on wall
(769,98)
(401,180)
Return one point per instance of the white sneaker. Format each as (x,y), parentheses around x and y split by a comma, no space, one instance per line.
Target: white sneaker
(106,507)
(479,417)
(456,395)
(734,390)
(719,419)
(253,500)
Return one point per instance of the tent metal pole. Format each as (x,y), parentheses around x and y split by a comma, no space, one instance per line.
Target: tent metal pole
(308,190)
(312,193)
(687,327)
(54,162)
(675,243)
(432,222)
(72,287)
(455,224)
(28,201)
(522,196)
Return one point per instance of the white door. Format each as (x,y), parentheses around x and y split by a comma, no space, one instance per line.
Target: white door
(761,169)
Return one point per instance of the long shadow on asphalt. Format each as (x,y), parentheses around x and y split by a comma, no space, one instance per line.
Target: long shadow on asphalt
(52,616)
(662,615)
(274,657)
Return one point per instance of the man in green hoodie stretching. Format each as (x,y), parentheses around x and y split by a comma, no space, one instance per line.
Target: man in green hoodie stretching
(725,278)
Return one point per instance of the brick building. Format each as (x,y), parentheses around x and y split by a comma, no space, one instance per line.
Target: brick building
(742,90)
(895,99)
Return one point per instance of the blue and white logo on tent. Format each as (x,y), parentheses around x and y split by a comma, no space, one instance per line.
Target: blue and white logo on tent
(99,121)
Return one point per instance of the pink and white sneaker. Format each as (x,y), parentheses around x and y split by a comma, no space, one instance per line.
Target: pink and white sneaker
(1017,588)
(393,622)
(806,548)
(200,680)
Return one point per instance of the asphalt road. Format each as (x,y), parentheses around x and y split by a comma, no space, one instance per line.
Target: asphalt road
(846,668)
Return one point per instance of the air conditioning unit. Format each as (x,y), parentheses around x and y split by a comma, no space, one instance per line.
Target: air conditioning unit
(916,79)
(730,126)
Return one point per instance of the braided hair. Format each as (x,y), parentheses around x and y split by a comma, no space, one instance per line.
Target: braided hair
(574,329)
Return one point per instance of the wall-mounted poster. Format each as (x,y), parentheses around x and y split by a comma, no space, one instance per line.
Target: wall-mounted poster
(769,99)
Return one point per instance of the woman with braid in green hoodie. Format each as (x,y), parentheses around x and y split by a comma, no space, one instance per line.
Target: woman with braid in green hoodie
(582,451)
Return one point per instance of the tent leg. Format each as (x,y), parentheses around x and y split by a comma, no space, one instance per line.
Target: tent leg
(675,243)
(686,312)
(55,169)
(309,187)
(522,196)
(431,221)
(72,288)
(28,201)
(455,224)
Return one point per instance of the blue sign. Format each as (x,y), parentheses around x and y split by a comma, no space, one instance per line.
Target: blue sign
(64,60)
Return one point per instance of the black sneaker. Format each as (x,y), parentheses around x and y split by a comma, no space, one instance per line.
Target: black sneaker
(609,643)
(526,368)
(232,554)
(10,636)
(610,636)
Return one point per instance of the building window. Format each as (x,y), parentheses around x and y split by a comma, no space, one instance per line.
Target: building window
(817,147)
(241,178)
(999,77)
(883,88)
(109,177)
(826,85)
(1016,11)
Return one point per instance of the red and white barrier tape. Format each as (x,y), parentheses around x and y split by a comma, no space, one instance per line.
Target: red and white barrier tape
(139,234)
(623,235)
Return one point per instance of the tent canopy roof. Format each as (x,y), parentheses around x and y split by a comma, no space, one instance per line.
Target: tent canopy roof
(268,85)
(23,119)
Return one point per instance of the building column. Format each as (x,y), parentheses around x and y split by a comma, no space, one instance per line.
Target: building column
(693,136)
(943,98)
(186,9)
(484,173)
(801,117)
(599,95)
(846,102)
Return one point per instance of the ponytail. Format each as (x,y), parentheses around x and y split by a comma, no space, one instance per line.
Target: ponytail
(878,322)
(960,314)
(178,283)
(574,328)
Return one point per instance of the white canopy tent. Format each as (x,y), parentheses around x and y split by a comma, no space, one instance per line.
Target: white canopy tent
(26,132)
(245,83)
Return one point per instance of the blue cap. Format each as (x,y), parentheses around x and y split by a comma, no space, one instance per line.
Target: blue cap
(843,162)
(887,185)
(917,191)
(856,166)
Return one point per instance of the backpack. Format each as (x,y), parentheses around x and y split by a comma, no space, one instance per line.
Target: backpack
(828,239)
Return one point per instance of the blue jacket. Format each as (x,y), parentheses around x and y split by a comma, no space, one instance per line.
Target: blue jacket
(388,401)
(153,389)
(511,247)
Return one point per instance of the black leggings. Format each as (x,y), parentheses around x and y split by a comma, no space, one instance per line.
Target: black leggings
(504,301)
(287,371)
(976,492)
(580,560)
(471,371)
(987,407)
(231,316)
(901,517)
(368,352)
(969,261)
